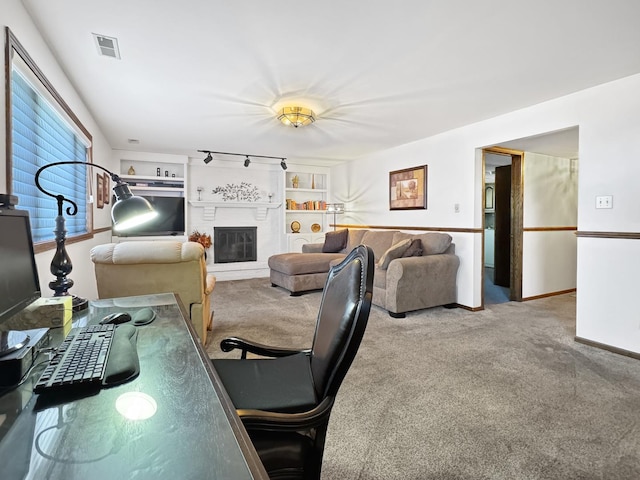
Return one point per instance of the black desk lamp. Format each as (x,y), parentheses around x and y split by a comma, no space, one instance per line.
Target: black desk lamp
(127,212)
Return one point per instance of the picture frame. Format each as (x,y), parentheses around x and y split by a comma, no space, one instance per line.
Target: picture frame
(489,197)
(106,188)
(100,191)
(408,188)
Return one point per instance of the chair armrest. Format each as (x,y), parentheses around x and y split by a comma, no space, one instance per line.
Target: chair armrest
(312,247)
(232,343)
(210,283)
(283,422)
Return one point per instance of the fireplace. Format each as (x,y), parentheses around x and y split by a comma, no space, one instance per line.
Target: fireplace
(234,244)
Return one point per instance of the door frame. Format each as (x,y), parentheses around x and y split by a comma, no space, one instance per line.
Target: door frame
(517,225)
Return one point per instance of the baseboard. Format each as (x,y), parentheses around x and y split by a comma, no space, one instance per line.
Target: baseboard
(603,346)
(470,309)
(551,294)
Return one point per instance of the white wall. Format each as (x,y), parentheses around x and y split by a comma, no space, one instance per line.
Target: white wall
(15,17)
(267,178)
(609,120)
(550,199)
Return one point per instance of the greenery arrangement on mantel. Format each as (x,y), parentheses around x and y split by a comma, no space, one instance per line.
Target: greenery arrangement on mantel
(244,192)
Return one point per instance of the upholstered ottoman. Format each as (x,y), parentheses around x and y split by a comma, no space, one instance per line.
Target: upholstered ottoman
(301,272)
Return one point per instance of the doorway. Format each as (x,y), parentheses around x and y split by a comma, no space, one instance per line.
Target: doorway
(502,226)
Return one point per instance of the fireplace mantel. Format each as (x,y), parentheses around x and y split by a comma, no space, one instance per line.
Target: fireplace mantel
(261,208)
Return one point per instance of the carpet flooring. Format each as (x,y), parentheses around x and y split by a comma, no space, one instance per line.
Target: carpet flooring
(504,393)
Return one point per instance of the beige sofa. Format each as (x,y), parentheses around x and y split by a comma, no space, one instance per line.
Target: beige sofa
(406,284)
(145,267)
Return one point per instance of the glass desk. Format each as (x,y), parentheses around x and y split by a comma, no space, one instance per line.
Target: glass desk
(191,430)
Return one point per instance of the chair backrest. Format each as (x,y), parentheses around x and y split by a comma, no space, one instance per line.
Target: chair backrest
(342,319)
(146,267)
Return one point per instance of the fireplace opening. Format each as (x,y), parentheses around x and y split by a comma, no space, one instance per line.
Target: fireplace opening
(234,244)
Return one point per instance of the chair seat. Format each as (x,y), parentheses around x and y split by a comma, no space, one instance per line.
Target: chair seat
(282,384)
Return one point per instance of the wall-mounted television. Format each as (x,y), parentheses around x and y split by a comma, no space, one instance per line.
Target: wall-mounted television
(170,219)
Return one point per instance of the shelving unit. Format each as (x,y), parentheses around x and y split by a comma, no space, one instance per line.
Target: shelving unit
(143,179)
(149,176)
(144,183)
(311,191)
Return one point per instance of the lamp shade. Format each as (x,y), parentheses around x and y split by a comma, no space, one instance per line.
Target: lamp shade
(296,116)
(130,211)
(335,208)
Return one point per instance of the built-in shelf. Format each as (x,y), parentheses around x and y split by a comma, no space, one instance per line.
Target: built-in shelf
(210,207)
(313,190)
(150,178)
(306,211)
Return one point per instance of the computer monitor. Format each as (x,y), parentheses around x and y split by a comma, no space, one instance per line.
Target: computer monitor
(19,282)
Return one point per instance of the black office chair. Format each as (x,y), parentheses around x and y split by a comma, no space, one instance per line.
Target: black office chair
(285,401)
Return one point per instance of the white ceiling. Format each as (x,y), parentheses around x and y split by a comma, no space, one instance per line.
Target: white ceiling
(210,74)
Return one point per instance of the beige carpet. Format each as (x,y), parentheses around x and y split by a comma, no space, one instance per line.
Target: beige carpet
(504,393)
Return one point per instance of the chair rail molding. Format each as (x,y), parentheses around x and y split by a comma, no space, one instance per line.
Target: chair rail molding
(210,207)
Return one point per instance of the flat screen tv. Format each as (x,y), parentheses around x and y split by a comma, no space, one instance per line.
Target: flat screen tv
(19,282)
(170,219)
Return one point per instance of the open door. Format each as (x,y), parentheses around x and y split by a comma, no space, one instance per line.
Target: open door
(502,239)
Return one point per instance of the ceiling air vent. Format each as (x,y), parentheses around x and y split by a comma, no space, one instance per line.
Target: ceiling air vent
(107,46)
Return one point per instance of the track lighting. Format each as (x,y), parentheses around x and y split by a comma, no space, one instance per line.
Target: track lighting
(247,160)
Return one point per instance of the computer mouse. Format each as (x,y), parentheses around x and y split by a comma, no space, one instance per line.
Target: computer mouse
(116,318)
(144,316)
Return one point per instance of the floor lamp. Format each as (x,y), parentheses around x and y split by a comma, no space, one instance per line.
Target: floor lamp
(335,208)
(128,211)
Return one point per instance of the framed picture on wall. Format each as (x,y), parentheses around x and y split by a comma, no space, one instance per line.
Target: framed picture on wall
(106,187)
(408,188)
(100,191)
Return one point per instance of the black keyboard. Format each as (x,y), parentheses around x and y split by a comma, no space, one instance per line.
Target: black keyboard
(80,362)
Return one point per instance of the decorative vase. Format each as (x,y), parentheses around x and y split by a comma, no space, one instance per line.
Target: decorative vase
(131,171)
(295,181)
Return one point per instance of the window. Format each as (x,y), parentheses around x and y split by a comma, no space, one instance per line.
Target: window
(43,130)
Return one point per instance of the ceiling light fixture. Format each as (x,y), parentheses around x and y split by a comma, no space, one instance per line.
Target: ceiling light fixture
(296,116)
(247,160)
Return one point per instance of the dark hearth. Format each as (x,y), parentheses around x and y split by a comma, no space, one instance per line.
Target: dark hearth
(234,244)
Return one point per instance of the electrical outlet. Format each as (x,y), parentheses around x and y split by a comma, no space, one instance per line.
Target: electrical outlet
(604,201)
(456,208)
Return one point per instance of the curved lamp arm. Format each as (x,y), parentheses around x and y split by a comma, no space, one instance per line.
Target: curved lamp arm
(73,208)
(128,211)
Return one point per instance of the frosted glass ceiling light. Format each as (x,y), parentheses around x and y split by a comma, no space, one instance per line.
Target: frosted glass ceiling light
(296,116)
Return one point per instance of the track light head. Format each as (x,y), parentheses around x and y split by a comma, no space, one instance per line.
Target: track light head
(247,161)
(283,164)
(208,158)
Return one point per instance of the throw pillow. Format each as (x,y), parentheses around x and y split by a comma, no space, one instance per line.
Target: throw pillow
(415,249)
(395,251)
(335,241)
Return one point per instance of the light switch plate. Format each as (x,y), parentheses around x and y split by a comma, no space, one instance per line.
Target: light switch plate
(604,201)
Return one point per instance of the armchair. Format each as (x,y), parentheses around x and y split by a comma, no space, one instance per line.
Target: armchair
(146,267)
(285,402)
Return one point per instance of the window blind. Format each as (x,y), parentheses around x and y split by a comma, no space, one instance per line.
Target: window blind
(40,137)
